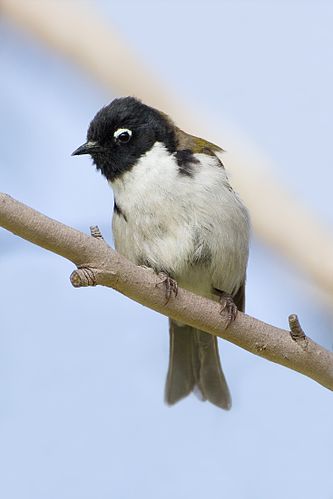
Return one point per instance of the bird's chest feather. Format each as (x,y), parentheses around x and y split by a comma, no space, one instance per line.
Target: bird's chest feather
(177,223)
(150,221)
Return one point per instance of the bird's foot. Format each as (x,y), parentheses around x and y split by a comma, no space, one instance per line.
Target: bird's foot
(228,305)
(170,285)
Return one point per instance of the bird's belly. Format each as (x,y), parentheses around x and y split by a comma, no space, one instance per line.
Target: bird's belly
(153,242)
(193,228)
(174,249)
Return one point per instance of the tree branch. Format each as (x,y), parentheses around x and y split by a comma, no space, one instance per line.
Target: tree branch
(99,264)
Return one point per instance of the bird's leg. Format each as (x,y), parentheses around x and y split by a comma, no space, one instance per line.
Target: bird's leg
(170,285)
(228,304)
(168,282)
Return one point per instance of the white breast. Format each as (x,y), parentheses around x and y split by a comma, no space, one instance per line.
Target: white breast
(172,217)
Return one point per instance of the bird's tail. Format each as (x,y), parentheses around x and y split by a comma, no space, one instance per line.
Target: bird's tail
(194,364)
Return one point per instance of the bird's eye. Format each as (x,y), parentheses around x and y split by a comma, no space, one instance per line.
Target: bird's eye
(122,135)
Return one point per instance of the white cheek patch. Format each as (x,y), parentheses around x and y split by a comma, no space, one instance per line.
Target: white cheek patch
(122,130)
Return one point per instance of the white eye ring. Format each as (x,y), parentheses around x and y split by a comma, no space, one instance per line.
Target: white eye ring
(122,130)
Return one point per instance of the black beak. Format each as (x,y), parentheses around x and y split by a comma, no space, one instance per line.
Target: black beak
(87,148)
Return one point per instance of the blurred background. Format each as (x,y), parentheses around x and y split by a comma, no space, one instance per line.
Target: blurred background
(82,371)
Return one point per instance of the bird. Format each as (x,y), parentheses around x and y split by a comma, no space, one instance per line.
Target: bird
(175,212)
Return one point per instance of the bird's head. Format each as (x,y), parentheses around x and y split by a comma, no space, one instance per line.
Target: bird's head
(122,132)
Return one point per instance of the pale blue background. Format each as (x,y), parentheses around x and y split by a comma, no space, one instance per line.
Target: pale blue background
(82,371)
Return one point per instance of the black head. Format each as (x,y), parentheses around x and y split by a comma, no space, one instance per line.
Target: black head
(122,132)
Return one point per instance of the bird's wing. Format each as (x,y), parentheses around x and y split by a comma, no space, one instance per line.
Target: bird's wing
(195,144)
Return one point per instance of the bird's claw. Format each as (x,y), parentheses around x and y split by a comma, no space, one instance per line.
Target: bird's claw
(170,285)
(227,304)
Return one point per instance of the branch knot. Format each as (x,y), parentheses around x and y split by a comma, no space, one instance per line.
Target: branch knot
(83,277)
(95,232)
(296,331)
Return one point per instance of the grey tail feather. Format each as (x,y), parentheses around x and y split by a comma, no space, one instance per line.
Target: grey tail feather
(195,363)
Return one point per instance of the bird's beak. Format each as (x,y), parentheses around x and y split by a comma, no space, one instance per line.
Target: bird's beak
(87,148)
